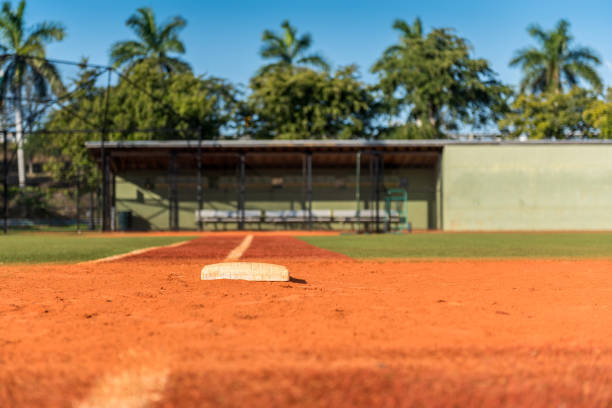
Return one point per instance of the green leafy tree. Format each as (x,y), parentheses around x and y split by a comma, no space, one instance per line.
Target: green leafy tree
(155,42)
(289,50)
(434,80)
(167,107)
(556,64)
(551,115)
(23,64)
(304,104)
(67,158)
(599,113)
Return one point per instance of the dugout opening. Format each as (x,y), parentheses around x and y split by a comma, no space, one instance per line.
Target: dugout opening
(186,185)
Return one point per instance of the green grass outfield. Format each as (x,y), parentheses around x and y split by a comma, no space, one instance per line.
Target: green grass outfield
(469,245)
(39,248)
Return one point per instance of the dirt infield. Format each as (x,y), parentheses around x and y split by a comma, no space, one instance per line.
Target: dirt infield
(146,331)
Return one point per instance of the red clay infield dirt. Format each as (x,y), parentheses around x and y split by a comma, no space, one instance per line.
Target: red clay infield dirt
(146,331)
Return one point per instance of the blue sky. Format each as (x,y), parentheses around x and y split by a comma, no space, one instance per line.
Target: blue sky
(223,37)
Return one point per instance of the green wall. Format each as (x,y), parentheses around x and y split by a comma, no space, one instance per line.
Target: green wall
(145,193)
(527,187)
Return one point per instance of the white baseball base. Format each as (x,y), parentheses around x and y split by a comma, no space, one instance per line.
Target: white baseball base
(251,271)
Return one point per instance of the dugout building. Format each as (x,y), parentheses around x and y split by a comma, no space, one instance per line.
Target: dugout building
(449,185)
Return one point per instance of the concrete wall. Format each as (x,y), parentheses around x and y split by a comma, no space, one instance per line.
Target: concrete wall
(527,187)
(145,193)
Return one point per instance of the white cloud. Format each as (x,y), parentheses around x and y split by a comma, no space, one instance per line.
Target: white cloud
(609,65)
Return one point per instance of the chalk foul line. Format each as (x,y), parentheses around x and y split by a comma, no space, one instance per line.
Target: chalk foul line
(237,252)
(132,253)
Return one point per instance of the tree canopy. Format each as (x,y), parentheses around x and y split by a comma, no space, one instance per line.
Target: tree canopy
(301,104)
(556,64)
(435,81)
(146,104)
(551,115)
(155,42)
(24,66)
(289,50)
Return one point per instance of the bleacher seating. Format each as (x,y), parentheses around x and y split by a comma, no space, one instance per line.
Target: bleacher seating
(294,217)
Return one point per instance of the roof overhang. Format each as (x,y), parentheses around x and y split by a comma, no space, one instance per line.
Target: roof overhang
(153,155)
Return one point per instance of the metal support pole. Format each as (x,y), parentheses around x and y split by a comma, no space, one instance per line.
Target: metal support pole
(358,187)
(98,204)
(113,204)
(103,164)
(172,193)
(176,196)
(309,187)
(199,178)
(78,200)
(377,189)
(5,165)
(170,218)
(92,215)
(304,185)
(242,191)
(381,171)
(106,198)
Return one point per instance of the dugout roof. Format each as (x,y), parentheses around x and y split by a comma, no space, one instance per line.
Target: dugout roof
(153,155)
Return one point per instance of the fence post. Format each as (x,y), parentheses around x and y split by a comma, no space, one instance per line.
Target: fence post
(199,178)
(78,201)
(5,168)
(242,191)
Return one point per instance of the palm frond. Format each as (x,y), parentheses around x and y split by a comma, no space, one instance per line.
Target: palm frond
(173,27)
(46,32)
(155,42)
(314,60)
(538,33)
(302,44)
(176,65)
(124,51)
(528,57)
(583,54)
(49,73)
(143,24)
(556,63)
(172,44)
(586,72)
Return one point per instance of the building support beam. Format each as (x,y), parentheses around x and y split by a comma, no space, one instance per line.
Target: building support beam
(172,192)
(377,189)
(92,212)
(104,165)
(309,187)
(200,195)
(358,187)
(241,190)
(113,201)
(439,193)
(78,199)
(5,166)
(106,193)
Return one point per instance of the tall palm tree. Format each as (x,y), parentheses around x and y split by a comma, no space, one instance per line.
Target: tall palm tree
(555,63)
(23,64)
(155,42)
(289,50)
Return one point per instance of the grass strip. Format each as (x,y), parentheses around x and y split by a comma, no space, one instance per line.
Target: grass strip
(469,245)
(43,248)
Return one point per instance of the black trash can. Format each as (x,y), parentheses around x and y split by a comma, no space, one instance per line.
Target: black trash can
(124,220)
